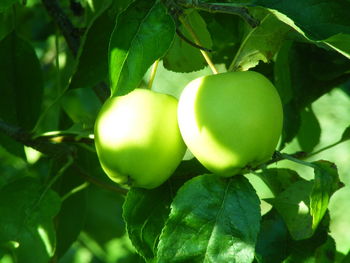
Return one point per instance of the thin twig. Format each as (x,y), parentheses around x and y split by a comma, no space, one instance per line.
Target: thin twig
(94,180)
(222,8)
(184,38)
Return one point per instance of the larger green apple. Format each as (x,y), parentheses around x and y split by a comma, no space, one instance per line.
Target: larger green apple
(137,138)
(230,121)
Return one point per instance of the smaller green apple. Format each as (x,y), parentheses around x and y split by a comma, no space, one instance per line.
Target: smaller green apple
(230,121)
(137,138)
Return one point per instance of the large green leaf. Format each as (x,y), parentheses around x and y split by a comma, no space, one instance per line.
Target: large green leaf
(21,85)
(181,56)
(226,36)
(143,33)
(92,65)
(310,131)
(278,179)
(273,239)
(5,4)
(318,20)
(27,213)
(212,220)
(21,82)
(293,205)
(310,250)
(145,211)
(260,43)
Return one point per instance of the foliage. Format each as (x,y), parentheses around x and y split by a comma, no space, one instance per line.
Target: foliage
(59,62)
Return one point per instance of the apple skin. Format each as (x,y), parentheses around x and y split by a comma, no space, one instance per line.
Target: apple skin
(137,138)
(232,121)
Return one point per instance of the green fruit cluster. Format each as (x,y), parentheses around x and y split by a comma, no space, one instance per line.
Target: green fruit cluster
(230,122)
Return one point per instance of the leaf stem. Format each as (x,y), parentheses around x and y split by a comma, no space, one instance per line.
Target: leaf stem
(293,159)
(56,177)
(153,74)
(197,41)
(75,190)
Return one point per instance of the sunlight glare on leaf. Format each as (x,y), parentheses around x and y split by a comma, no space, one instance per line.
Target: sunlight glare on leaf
(46,240)
(303,208)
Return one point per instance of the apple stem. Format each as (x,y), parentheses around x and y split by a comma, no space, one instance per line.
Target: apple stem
(153,74)
(197,41)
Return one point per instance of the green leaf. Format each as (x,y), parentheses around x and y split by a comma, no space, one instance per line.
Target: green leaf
(346,134)
(340,219)
(326,253)
(5,4)
(103,221)
(346,259)
(181,56)
(143,33)
(21,95)
(27,214)
(273,239)
(260,43)
(278,179)
(310,130)
(71,218)
(20,73)
(341,43)
(145,212)
(325,22)
(212,220)
(226,35)
(306,251)
(6,23)
(82,107)
(326,182)
(92,65)
(293,206)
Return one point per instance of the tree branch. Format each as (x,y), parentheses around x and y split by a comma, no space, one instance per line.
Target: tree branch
(226,8)
(70,33)
(24,137)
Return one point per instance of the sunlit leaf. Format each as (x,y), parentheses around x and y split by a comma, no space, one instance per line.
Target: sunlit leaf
(211,220)
(181,56)
(260,43)
(143,33)
(326,182)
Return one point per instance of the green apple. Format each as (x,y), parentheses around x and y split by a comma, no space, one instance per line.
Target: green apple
(137,138)
(231,121)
